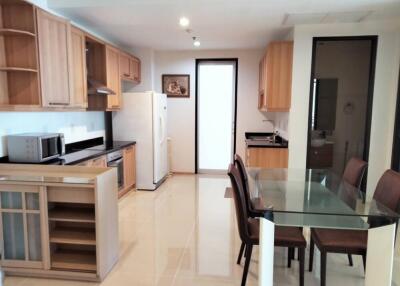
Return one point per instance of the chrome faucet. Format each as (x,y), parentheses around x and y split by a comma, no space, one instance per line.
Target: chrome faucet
(274,132)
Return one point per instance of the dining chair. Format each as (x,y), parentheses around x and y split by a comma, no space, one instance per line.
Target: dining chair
(387,193)
(353,174)
(249,228)
(255,209)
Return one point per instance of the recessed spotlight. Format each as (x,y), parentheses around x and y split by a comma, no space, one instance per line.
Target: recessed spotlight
(196,42)
(184,22)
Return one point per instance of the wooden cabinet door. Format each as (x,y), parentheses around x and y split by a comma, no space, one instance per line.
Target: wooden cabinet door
(113,78)
(261,84)
(54,55)
(267,157)
(135,69)
(124,66)
(79,88)
(279,76)
(22,229)
(129,166)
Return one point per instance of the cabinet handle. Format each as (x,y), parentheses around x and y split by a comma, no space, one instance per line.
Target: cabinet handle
(58,103)
(127,74)
(114,106)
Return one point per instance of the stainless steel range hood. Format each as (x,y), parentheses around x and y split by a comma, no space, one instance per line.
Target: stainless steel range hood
(96,87)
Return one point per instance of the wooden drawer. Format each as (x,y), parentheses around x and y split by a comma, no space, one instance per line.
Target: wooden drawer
(320,157)
(96,162)
(70,195)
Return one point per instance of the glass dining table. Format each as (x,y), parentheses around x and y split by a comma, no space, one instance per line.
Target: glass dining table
(319,198)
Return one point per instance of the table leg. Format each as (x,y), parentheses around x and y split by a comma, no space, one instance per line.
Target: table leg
(380,250)
(266,257)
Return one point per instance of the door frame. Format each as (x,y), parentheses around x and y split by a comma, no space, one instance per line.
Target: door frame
(370,95)
(198,62)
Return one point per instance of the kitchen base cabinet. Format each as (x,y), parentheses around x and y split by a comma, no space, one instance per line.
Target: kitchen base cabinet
(267,157)
(59,221)
(129,155)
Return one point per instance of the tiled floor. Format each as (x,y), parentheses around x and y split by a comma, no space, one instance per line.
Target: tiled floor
(185,234)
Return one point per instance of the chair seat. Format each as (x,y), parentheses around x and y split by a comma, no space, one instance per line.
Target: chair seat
(288,236)
(336,240)
(284,235)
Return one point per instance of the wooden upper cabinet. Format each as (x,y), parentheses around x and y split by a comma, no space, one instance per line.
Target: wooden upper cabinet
(129,68)
(54,38)
(113,78)
(135,69)
(79,88)
(124,66)
(276,77)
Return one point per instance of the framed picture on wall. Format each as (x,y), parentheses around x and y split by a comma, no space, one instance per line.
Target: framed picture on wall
(176,85)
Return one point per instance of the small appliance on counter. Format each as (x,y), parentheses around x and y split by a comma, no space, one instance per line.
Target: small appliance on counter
(35,147)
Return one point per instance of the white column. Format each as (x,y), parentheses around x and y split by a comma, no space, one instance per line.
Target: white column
(266,259)
(380,250)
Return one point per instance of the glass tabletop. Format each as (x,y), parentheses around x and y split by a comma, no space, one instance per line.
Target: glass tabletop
(315,197)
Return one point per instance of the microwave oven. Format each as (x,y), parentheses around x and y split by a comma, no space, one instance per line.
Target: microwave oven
(35,147)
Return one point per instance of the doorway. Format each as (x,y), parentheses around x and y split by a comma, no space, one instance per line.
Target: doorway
(340,107)
(216,97)
(396,135)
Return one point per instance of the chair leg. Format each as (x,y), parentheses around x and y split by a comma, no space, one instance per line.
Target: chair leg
(301,252)
(311,259)
(290,255)
(249,249)
(364,258)
(350,259)
(242,246)
(323,268)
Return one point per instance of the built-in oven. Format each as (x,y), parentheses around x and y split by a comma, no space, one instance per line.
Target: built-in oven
(116,160)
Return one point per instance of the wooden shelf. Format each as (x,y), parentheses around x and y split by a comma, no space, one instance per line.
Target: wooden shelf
(14,32)
(74,260)
(70,235)
(72,214)
(14,69)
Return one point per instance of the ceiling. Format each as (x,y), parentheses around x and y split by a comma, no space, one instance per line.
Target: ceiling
(219,24)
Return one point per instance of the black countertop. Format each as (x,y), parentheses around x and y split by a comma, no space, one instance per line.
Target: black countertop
(76,157)
(279,141)
(84,150)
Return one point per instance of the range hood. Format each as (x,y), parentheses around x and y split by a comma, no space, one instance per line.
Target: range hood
(96,87)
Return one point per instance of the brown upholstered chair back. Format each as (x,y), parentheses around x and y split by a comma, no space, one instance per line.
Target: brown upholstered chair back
(243,176)
(354,172)
(387,190)
(240,203)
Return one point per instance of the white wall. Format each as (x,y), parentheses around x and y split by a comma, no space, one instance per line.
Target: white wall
(181,112)
(385,91)
(76,126)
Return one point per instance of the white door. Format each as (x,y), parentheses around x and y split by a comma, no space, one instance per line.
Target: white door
(160,136)
(215,115)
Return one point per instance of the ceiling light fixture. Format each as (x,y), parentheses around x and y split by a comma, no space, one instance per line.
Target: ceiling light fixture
(184,22)
(196,42)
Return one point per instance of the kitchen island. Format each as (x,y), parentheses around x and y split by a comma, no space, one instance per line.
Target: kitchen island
(58,221)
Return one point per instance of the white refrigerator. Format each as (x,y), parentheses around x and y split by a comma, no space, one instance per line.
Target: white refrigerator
(143,118)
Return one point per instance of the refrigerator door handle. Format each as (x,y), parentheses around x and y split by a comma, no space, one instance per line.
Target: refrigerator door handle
(161,130)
